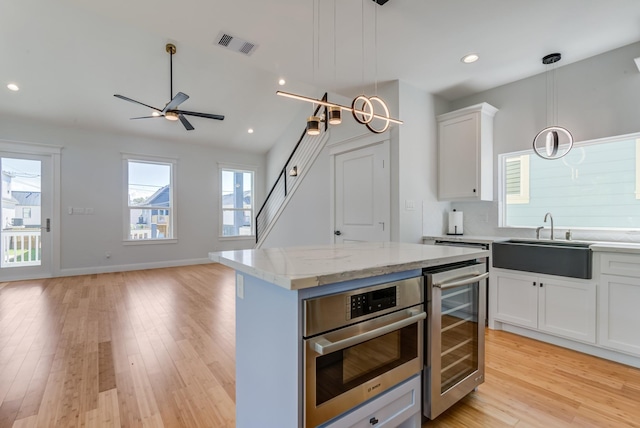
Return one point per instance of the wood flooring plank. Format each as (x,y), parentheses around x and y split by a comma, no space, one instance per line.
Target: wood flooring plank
(106,369)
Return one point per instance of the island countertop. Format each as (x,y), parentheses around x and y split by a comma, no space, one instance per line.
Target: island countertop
(296,268)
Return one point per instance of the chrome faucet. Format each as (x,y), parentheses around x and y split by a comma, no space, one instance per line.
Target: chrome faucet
(538,231)
(545,220)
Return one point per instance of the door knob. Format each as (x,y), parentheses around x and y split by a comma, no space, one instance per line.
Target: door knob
(337,232)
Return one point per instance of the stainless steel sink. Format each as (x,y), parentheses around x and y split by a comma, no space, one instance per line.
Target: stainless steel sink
(562,258)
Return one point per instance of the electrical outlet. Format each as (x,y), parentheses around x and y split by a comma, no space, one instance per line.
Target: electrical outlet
(240,286)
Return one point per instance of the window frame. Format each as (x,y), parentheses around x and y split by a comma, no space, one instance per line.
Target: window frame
(173,226)
(502,188)
(244,169)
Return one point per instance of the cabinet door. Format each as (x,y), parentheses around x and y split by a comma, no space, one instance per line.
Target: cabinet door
(515,298)
(619,313)
(567,308)
(458,157)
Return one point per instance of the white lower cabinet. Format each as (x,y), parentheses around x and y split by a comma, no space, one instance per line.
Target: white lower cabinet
(619,303)
(558,306)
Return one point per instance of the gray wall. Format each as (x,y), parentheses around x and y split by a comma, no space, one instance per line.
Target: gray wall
(92,176)
(597,97)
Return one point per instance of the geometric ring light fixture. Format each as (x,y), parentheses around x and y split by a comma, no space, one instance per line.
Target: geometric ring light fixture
(554,141)
(362,108)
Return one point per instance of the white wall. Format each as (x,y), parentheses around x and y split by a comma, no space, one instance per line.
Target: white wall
(92,176)
(597,97)
(418,168)
(306,219)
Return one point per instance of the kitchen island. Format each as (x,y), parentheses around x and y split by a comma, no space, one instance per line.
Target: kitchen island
(271,286)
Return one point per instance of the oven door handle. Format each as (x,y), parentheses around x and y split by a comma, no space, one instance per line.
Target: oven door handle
(459,282)
(323,346)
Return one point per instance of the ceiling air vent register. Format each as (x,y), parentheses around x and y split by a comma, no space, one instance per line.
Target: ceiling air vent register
(235,44)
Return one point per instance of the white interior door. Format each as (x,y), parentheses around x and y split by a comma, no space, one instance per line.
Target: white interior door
(362,194)
(27,201)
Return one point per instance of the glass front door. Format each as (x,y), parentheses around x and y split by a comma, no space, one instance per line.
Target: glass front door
(26,216)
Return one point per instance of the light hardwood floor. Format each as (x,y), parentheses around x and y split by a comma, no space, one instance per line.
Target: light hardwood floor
(156,348)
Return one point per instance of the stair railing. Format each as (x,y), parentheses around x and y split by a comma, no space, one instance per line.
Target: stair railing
(278,193)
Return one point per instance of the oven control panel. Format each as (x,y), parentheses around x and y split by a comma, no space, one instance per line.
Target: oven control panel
(373,301)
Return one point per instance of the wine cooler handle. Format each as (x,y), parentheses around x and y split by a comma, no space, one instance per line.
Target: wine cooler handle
(459,282)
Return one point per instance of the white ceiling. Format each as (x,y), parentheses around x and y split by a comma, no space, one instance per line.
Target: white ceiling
(70,56)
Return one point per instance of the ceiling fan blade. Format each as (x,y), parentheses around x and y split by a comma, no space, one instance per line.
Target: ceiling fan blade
(178,99)
(145,117)
(122,97)
(206,115)
(185,122)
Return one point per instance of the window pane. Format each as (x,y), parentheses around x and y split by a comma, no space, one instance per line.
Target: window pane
(594,186)
(149,224)
(149,184)
(236,189)
(150,200)
(237,202)
(236,223)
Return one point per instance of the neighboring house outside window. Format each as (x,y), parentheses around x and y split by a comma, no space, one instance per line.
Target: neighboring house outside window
(517,179)
(237,201)
(150,205)
(26,212)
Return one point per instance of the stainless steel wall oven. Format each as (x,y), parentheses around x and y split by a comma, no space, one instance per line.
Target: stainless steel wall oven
(360,343)
(454,334)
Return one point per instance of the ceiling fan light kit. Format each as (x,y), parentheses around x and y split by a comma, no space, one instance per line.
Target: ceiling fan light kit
(554,141)
(170,110)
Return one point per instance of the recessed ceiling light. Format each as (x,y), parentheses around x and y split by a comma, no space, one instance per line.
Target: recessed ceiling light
(250,130)
(13,87)
(281,82)
(469,58)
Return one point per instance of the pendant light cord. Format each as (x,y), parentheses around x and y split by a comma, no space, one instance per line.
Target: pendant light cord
(362,11)
(375,40)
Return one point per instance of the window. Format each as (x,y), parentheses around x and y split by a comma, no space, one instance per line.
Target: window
(26,212)
(595,186)
(150,208)
(237,202)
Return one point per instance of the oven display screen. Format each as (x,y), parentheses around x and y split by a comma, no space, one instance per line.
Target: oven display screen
(373,301)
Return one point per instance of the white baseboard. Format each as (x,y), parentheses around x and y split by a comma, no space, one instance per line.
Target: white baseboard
(130,267)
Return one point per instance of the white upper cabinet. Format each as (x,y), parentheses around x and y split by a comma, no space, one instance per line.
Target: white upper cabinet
(465,154)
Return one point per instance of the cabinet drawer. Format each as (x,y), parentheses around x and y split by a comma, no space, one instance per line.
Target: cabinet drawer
(389,410)
(620,264)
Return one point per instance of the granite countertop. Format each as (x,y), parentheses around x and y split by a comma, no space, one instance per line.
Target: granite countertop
(302,267)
